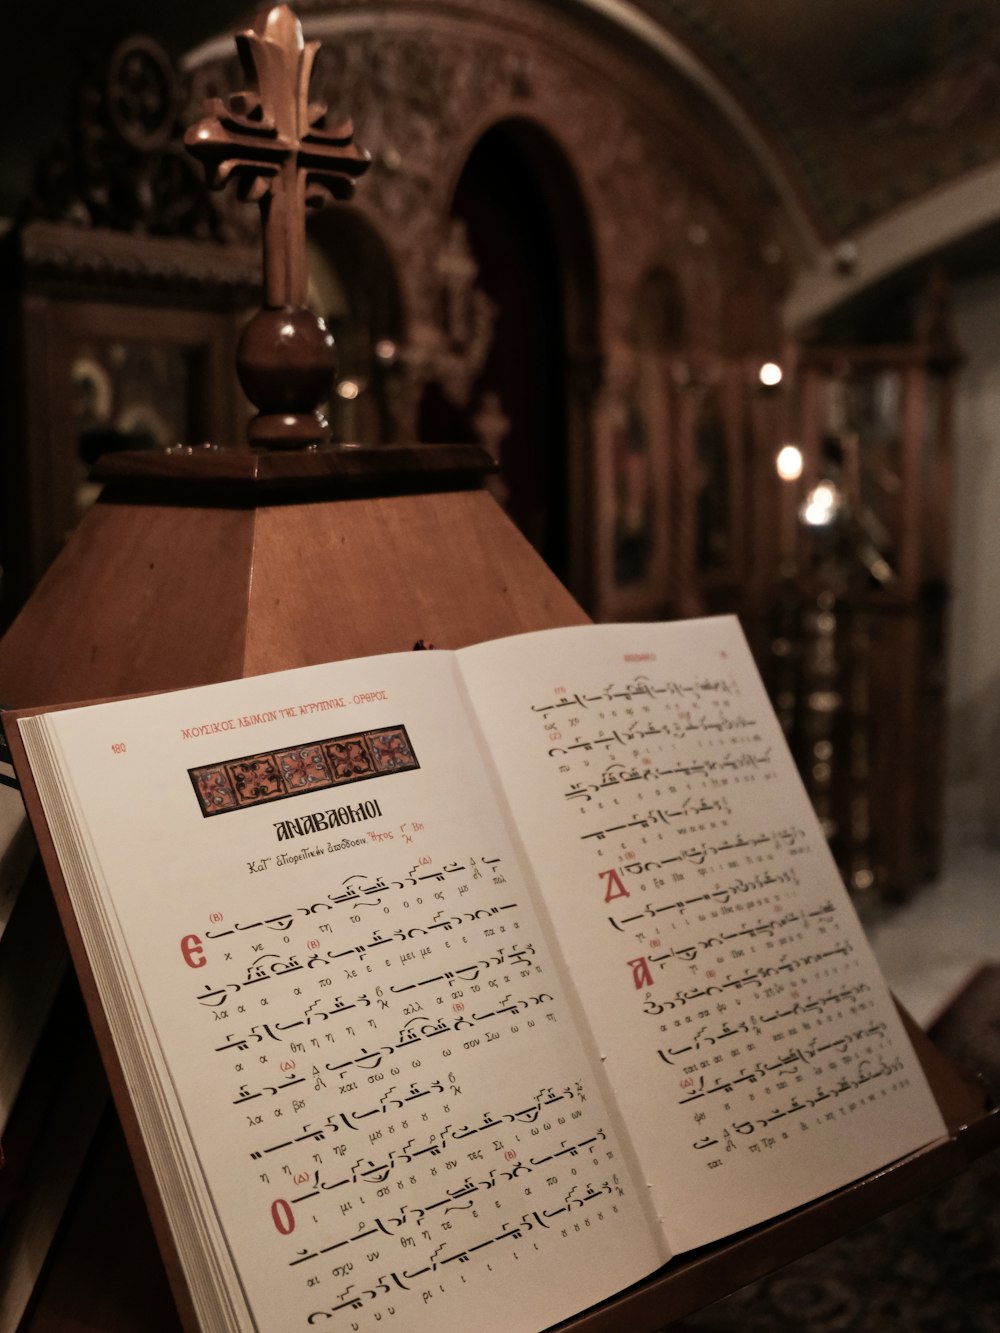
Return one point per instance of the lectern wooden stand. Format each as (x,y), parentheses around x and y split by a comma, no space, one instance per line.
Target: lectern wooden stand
(199,566)
(202,566)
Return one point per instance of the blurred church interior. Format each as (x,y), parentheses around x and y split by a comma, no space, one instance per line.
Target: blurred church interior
(718,284)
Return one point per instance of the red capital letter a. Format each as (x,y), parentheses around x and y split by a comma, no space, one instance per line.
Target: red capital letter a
(615,887)
(641,975)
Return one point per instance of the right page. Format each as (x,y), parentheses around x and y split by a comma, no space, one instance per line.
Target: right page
(742,1021)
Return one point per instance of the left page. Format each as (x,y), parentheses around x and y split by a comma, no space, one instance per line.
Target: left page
(360,1085)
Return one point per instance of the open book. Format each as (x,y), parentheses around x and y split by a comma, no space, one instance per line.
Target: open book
(462,990)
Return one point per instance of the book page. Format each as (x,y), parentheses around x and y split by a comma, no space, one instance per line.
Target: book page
(315,919)
(740,1016)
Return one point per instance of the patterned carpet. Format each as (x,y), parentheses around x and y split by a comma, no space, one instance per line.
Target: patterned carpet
(932,1266)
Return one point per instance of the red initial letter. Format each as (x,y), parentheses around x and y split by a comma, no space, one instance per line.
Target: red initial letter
(194,954)
(615,888)
(282,1216)
(641,975)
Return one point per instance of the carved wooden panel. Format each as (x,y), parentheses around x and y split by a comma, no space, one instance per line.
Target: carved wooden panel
(117,341)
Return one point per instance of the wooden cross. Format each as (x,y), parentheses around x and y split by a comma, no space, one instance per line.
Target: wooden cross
(272,140)
(274,143)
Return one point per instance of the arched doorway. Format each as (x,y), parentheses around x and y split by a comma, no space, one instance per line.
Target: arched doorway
(528,234)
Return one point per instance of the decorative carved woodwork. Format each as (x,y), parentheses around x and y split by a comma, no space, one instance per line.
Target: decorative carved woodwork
(274,143)
(635,174)
(125,168)
(427,82)
(120,306)
(116,341)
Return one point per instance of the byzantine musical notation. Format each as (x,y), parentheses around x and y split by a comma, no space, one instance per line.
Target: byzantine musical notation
(577,991)
(736,994)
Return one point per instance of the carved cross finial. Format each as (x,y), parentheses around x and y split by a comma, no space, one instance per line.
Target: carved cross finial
(273,142)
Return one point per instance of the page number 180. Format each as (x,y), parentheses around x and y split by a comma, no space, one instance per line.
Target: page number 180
(118,747)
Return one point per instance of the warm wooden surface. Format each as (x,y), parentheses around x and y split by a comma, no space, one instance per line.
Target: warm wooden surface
(139,599)
(159,596)
(449,569)
(207,475)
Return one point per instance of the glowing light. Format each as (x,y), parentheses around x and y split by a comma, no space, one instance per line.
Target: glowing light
(821,505)
(348,389)
(770,374)
(385,349)
(789,462)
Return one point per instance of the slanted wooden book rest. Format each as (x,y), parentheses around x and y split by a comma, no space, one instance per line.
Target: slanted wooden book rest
(293,581)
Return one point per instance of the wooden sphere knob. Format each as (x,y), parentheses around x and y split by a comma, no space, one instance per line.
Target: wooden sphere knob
(286,363)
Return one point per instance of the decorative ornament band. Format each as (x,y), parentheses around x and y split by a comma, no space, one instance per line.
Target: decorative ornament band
(274,775)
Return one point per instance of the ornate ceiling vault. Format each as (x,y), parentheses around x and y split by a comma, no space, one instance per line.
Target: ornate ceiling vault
(875,122)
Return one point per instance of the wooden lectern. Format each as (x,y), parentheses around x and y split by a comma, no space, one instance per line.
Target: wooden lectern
(201,565)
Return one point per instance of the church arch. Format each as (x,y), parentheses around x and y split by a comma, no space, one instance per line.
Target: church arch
(529,234)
